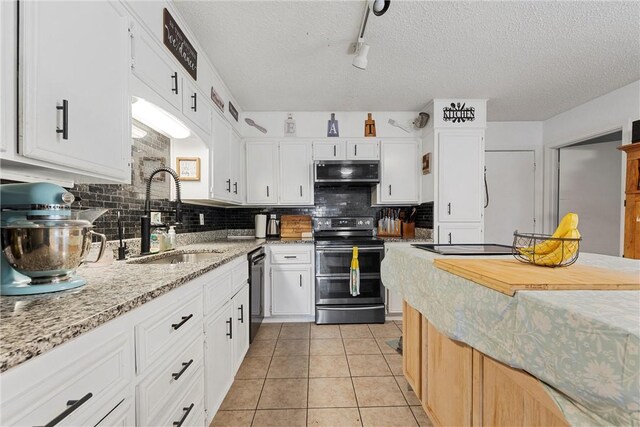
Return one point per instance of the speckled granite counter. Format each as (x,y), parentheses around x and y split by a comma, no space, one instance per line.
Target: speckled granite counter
(31,325)
(585,345)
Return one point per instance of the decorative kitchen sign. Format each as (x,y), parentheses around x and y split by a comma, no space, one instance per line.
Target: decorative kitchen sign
(426,164)
(332,126)
(233,111)
(176,41)
(369,126)
(290,126)
(457,113)
(188,168)
(217,99)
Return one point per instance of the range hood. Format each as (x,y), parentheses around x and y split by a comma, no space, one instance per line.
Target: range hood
(349,172)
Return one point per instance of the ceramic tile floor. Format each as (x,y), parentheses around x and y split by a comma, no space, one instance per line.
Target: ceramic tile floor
(302,374)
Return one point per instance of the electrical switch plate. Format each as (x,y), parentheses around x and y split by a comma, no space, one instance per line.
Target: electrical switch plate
(201,219)
(156,217)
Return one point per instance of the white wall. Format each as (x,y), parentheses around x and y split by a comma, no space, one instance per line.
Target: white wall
(314,124)
(520,136)
(613,111)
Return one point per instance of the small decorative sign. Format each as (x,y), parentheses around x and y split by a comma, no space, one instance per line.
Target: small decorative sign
(332,126)
(233,111)
(217,99)
(188,168)
(290,126)
(426,164)
(369,126)
(457,113)
(176,41)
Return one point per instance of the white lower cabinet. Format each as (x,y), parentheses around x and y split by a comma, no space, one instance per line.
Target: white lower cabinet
(124,415)
(460,233)
(219,357)
(394,302)
(241,325)
(291,289)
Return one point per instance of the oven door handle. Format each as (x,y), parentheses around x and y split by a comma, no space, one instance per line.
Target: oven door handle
(373,307)
(346,249)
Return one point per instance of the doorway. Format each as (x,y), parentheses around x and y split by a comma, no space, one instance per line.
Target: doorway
(510,195)
(589,184)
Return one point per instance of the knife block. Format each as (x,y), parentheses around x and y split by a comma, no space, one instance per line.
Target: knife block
(408,230)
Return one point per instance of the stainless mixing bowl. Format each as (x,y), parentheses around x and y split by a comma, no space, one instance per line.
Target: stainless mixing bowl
(49,251)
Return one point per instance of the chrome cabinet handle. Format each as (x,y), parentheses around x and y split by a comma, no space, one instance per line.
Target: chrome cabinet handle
(65,119)
(241,308)
(186,410)
(185,366)
(449,238)
(449,208)
(72,406)
(194,107)
(184,320)
(230,333)
(174,88)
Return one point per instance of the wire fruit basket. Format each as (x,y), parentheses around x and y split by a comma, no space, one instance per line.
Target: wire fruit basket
(546,250)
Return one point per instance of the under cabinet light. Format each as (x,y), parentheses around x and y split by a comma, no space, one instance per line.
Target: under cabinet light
(158,119)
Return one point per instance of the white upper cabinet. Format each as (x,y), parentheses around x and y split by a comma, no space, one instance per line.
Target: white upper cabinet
(236,163)
(221,137)
(399,164)
(460,162)
(153,67)
(195,105)
(74,103)
(329,150)
(296,182)
(363,150)
(262,168)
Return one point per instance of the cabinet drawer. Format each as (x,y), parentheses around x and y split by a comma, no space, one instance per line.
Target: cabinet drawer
(94,375)
(291,255)
(168,381)
(217,292)
(240,275)
(186,409)
(161,332)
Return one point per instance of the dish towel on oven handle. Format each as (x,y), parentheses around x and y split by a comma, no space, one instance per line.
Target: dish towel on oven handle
(354,276)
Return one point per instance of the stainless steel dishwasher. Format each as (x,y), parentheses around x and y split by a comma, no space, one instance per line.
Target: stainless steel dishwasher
(256,290)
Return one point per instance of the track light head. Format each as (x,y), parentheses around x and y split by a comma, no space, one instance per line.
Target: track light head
(360,61)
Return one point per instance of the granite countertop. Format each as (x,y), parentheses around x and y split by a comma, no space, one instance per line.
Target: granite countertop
(34,324)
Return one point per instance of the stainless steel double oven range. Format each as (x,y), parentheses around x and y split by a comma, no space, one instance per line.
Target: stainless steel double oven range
(334,242)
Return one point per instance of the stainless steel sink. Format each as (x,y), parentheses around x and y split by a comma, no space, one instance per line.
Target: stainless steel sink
(183,258)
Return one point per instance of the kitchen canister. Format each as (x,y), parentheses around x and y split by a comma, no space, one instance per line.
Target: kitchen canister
(261,226)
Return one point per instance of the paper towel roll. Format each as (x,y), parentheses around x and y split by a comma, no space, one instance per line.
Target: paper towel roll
(261,226)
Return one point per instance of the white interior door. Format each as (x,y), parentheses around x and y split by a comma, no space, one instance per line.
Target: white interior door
(590,185)
(511,187)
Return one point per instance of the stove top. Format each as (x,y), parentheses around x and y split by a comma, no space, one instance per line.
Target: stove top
(344,230)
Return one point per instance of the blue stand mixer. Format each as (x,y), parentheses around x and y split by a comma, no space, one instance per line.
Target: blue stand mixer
(44,241)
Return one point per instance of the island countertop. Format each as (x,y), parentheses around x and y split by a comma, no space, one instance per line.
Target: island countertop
(584,345)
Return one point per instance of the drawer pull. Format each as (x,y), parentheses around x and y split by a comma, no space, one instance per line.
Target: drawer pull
(184,320)
(185,366)
(291,256)
(72,405)
(184,416)
(230,333)
(241,308)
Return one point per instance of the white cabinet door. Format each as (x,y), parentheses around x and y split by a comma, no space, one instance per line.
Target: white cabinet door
(221,136)
(460,161)
(219,367)
(241,326)
(399,177)
(291,289)
(236,167)
(329,150)
(394,302)
(262,161)
(460,233)
(363,150)
(75,102)
(195,106)
(296,187)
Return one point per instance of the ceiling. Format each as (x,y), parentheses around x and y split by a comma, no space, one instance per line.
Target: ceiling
(532,60)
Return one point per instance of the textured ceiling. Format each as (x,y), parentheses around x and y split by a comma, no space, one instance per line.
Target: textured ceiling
(532,60)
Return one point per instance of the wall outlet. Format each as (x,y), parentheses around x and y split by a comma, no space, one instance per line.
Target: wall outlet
(201,219)
(156,217)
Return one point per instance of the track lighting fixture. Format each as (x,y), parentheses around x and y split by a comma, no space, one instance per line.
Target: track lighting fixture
(362,50)
(379,8)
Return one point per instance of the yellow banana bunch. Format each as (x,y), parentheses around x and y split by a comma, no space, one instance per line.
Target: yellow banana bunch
(564,250)
(569,222)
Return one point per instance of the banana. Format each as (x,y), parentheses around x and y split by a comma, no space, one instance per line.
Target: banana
(568,222)
(564,251)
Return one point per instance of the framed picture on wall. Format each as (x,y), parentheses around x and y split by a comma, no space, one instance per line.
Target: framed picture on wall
(426,164)
(188,168)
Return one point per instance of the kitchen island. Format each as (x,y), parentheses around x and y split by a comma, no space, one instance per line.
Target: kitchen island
(582,345)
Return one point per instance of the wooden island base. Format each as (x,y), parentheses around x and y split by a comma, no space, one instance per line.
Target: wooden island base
(460,386)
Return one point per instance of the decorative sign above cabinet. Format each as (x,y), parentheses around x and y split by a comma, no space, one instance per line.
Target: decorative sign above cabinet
(457,113)
(332,126)
(369,126)
(217,99)
(233,111)
(176,41)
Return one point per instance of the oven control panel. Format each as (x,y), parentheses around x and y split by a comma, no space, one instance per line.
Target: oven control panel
(334,224)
